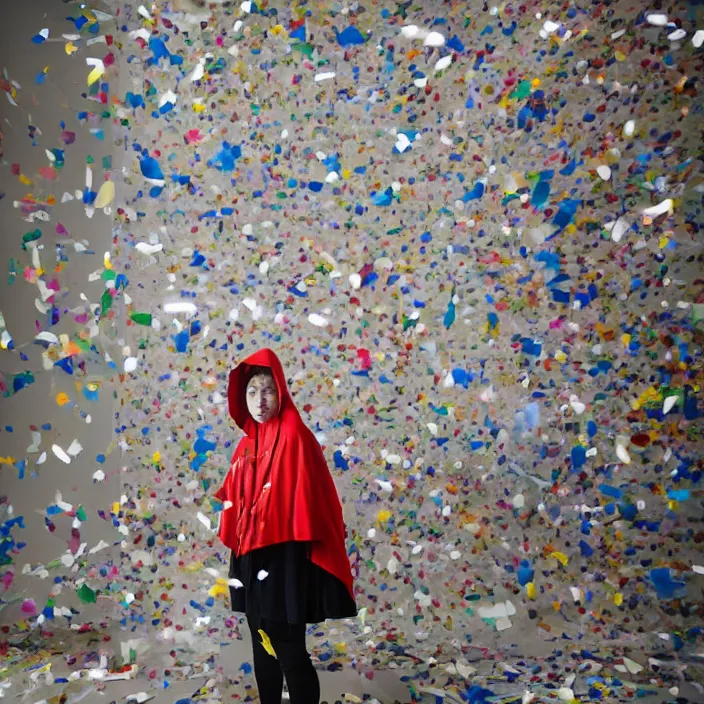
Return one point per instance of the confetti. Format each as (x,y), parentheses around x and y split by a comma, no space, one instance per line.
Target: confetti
(473,237)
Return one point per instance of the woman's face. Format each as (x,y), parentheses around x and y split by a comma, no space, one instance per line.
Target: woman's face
(262,398)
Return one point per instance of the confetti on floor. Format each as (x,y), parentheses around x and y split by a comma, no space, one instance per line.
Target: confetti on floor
(472,233)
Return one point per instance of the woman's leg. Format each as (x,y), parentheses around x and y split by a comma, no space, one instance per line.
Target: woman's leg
(267,669)
(289,642)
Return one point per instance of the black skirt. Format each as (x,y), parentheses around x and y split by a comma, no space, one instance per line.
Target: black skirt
(281,584)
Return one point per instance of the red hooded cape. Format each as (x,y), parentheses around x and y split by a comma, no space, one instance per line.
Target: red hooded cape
(279,487)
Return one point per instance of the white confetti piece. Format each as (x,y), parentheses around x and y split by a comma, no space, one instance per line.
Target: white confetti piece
(198,72)
(235,583)
(61,454)
(668,404)
(318,320)
(698,38)
(443,63)
(577,406)
(659,209)
(604,172)
(325,76)
(657,19)
(632,666)
(677,35)
(434,39)
(384,485)
(168,97)
(146,248)
(130,364)
(619,229)
(262,575)
(622,454)
(402,142)
(75,448)
(410,31)
(204,520)
(181,307)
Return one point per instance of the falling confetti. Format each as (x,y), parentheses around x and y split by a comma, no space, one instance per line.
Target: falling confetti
(473,237)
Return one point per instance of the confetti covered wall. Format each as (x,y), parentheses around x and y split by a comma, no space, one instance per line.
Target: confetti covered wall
(472,234)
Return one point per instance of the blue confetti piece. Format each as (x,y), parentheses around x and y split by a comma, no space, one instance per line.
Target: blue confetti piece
(666,587)
(541,193)
(455,44)
(383,199)
(476,193)
(226,158)
(134,100)
(181,341)
(150,168)
(350,36)
(449,317)
(579,457)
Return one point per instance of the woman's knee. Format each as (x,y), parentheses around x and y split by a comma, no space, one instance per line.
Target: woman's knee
(293,656)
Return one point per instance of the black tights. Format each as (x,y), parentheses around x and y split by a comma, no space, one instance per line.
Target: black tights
(292,662)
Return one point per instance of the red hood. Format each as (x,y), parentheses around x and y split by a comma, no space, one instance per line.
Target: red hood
(237,387)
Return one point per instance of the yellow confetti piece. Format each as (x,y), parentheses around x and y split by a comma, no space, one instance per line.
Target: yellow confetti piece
(106,195)
(70,48)
(7,460)
(663,242)
(266,643)
(116,507)
(530,590)
(156,457)
(220,588)
(560,557)
(95,75)
(618,598)
(625,339)
(383,516)
(26,181)
(619,56)
(107,263)
(560,356)
(62,399)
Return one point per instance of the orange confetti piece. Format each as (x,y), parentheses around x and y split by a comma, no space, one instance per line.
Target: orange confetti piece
(62,399)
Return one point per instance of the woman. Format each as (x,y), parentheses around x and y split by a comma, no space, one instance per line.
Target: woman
(282,519)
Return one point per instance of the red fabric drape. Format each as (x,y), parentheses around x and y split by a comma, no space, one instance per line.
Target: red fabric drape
(279,487)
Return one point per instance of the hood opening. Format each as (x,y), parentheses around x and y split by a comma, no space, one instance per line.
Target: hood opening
(262,361)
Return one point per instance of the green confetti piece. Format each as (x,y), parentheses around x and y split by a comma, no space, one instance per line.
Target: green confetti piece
(107,162)
(141,318)
(522,91)
(81,514)
(304,48)
(105,303)
(28,237)
(90,159)
(86,594)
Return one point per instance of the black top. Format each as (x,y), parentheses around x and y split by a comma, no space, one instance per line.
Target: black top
(294,590)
